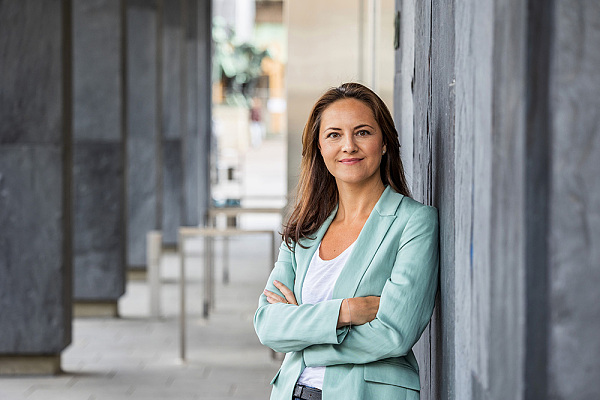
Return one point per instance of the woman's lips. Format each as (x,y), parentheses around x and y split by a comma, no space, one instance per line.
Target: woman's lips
(350,161)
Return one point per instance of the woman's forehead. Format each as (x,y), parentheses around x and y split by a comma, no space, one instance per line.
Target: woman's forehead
(346,111)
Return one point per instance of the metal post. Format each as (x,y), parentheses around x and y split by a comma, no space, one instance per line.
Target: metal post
(226,260)
(207,258)
(153,256)
(211,273)
(182,311)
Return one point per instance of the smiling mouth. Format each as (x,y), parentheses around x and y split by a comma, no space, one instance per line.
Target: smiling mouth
(350,161)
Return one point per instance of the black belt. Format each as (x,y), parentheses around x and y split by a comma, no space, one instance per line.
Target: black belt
(307,393)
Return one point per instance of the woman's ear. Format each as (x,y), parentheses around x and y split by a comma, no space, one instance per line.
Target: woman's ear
(384,149)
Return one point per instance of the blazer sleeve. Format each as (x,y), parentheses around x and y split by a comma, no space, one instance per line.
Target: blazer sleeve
(406,304)
(287,327)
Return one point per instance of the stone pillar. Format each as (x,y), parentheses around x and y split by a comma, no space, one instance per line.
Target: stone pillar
(172,120)
(502,116)
(35,167)
(204,106)
(468,347)
(191,149)
(469,161)
(143,140)
(573,209)
(431,138)
(98,154)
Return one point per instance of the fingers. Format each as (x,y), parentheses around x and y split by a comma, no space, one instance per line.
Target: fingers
(289,295)
(273,298)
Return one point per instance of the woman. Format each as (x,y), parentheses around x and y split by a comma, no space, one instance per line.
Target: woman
(354,284)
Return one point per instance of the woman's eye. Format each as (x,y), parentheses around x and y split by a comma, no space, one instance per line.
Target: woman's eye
(363,133)
(333,135)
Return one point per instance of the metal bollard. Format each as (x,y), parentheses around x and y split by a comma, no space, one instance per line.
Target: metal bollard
(153,258)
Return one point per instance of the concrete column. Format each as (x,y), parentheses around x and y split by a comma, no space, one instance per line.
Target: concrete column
(573,207)
(35,166)
(172,119)
(503,330)
(469,161)
(204,106)
(473,87)
(433,169)
(99,153)
(503,112)
(421,158)
(143,140)
(191,149)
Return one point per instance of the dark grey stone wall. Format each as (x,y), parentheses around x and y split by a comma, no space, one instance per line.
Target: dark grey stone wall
(169,97)
(433,171)
(469,162)
(441,128)
(98,150)
(501,112)
(505,368)
(172,119)
(474,44)
(574,206)
(143,140)
(35,240)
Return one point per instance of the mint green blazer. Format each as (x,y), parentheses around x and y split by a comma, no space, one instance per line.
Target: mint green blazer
(395,257)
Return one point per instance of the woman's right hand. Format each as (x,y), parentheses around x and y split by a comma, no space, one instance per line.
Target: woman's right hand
(358,310)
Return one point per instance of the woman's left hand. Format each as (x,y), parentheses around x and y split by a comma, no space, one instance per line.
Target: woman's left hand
(275,298)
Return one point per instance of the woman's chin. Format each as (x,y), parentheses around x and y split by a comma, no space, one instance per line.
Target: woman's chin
(355,180)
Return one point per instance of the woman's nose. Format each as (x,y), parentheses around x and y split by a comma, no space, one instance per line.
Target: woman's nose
(349,145)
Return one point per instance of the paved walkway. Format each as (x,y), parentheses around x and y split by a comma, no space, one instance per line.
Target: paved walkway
(136,357)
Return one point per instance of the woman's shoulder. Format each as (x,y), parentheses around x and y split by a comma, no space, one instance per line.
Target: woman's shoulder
(412,209)
(394,203)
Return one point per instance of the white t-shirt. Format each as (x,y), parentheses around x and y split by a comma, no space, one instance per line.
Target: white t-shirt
(318,286)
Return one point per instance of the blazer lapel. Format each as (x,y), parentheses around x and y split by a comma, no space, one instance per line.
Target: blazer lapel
(304,256)
(367,243)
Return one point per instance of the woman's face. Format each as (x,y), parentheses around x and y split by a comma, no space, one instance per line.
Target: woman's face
(351,142)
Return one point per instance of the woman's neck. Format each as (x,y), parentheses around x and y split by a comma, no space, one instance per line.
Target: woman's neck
(357,202)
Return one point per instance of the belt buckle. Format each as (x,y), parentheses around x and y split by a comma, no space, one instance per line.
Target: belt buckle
(298,390)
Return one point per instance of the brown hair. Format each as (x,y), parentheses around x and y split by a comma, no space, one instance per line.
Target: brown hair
(316,193)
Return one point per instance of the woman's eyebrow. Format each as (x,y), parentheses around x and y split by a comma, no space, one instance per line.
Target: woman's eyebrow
(333,128)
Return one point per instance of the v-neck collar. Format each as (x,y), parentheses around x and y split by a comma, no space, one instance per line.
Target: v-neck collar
(365,246)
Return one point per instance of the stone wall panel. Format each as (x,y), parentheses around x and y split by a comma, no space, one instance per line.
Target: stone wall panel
(30,100)
(98,151)
(98,216)
(35,225)
(143,141)
(172,189)
(33,317)
(574,237)
(173,121)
